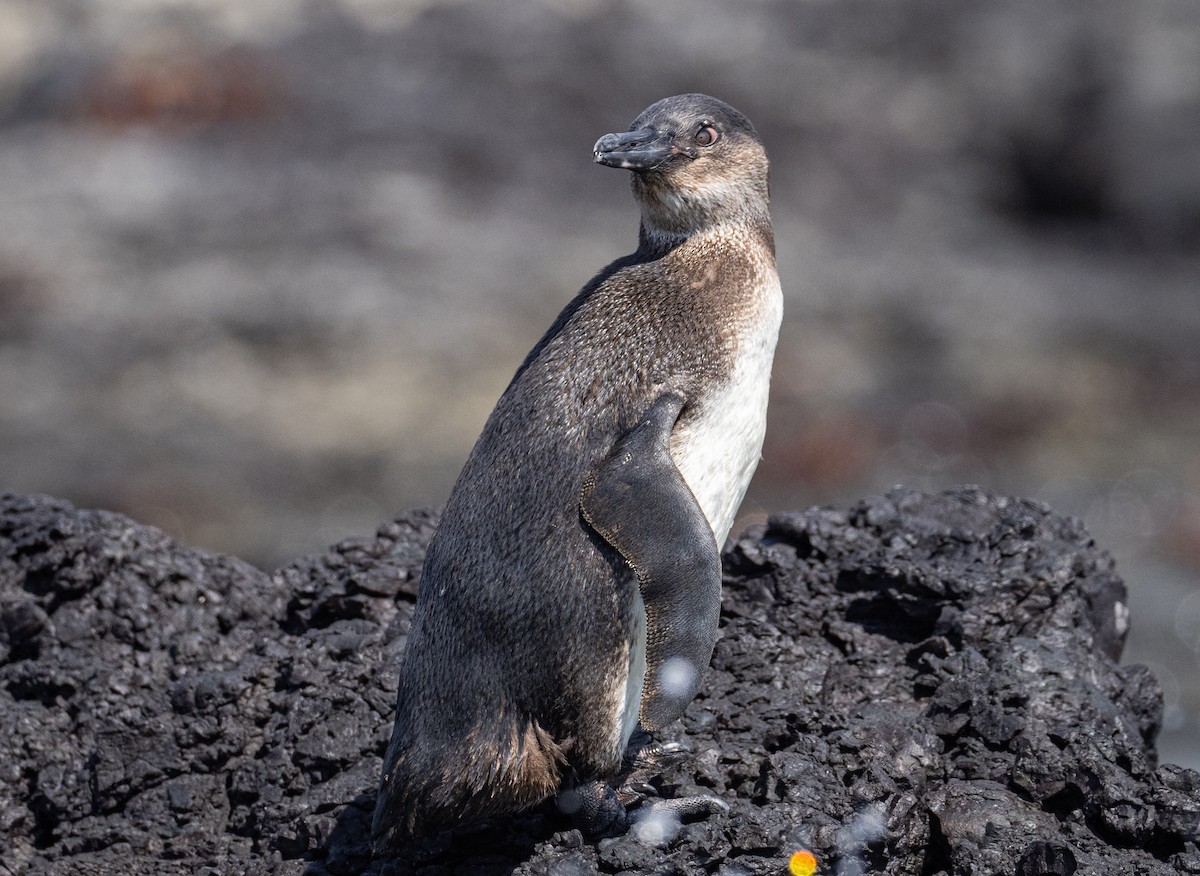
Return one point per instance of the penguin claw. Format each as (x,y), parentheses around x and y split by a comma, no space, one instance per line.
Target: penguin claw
(644,761)
(629,796)
(659,755)
(643,754)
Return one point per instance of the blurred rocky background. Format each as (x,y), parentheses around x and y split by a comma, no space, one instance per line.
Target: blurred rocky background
(265,267)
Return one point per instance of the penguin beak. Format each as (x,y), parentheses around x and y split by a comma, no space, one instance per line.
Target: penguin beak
(646,149)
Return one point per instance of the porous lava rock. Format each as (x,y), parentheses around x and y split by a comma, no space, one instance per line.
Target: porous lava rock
(923,684)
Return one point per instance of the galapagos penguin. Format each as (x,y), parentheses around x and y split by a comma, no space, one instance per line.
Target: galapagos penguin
(569,601)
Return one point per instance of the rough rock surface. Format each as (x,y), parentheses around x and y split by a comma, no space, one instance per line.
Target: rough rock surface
(924,684)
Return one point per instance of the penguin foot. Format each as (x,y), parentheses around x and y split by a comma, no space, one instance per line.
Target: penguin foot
(659,822)
(658,756)
(645,759)
(599,811)
(643,755)
(603,808)
(643,765)
(595,807)
(681,807)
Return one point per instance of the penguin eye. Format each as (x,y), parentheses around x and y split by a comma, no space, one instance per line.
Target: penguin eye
(706,136)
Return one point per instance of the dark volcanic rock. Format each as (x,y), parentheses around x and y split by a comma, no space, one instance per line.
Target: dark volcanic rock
(922,685)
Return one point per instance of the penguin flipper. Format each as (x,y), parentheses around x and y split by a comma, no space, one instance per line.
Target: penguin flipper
(639,503)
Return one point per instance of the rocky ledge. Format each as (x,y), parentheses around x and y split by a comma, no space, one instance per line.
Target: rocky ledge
(923,684)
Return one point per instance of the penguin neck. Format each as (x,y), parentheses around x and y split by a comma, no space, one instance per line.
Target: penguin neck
(655,242)
(675,210)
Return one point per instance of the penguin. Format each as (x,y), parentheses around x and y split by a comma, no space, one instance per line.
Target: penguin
(569,600)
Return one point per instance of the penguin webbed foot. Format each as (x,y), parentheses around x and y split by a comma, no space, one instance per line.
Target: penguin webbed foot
(678,808)
(654,757)
(599,810)
(595,807)
(602,809)
(645,759)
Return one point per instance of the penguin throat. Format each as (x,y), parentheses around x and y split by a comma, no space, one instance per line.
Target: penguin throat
(670,214)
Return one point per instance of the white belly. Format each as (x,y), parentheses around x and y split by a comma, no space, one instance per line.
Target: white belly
(628,717)
(718,451)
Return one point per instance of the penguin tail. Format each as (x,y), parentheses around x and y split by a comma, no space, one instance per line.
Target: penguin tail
(500,766)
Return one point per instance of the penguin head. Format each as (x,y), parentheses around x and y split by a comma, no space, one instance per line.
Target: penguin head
(697,162)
